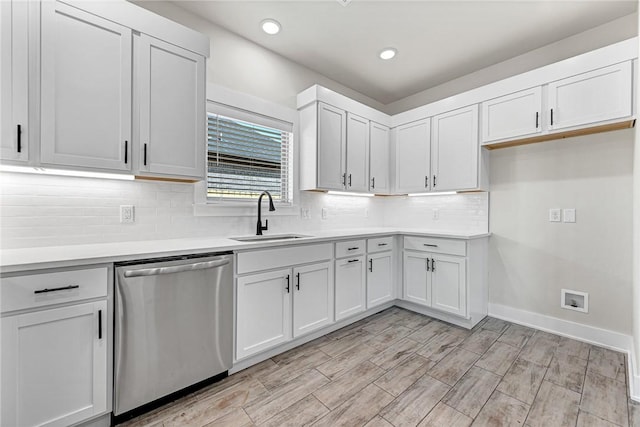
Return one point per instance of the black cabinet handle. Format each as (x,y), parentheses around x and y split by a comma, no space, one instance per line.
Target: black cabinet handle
(19,135)
(349,180)
(298,278)
(371,265)
(99,324)
(352,260)
(353,249)
(344,179)
(552,117)
(145,155)
(126,151)
(433,264)
(434,181)
(287,279)
(427,264)
(426,182)
(63,288)
(537,119)
(382,244)
(430,245)
(373,182)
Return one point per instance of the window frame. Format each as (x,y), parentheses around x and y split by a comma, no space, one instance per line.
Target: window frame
(225,101)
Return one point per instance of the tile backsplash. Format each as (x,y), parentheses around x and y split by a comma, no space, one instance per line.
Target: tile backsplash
(39,210)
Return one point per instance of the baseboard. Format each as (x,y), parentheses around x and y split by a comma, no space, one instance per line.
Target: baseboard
(589,334)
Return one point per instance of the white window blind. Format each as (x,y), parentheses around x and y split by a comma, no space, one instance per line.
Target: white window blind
(248,157)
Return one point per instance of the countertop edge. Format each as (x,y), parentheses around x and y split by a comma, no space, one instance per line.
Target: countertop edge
(75,259)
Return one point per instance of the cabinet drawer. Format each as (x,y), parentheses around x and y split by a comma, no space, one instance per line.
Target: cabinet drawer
(437,245)
(38,290)
(271,259)
(350,248)
(380,244)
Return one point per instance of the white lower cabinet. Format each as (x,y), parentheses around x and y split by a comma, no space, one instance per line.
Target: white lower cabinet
(379,278)
(350,286)
(436,281)
(312,298)
(55,360)
(263,311)
(277,306)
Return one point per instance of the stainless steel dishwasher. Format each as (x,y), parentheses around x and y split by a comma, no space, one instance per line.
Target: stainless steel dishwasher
(173,327)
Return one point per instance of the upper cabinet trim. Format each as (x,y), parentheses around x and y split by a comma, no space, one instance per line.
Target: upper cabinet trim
(141,20)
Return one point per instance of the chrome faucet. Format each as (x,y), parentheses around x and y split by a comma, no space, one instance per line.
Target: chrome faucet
(272,208)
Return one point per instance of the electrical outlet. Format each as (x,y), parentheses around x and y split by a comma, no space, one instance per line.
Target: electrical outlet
(554,215)
(305,213)
(127,214)
(436,214)
(569,215)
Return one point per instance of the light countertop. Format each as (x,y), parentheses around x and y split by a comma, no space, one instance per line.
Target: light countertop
(13,260)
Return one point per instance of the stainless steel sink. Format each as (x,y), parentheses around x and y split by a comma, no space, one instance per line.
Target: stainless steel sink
(273,237)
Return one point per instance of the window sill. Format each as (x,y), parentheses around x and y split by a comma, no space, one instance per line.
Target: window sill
(242,209)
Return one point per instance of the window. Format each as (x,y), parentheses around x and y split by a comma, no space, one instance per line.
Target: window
(247,156)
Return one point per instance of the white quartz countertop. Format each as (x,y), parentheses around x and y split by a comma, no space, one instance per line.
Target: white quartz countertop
(13,260)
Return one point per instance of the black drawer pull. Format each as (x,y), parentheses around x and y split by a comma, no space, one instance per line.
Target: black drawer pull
(382,244)
(353,249)
(352,260)
(99,324)
(431,246)
(63,288)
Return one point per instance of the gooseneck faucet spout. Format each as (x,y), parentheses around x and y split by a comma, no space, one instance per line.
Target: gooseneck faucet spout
(260,228)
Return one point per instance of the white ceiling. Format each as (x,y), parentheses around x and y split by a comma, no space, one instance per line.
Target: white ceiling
(437,41)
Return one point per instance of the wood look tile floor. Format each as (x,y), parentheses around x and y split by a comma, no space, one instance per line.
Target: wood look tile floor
(399,368)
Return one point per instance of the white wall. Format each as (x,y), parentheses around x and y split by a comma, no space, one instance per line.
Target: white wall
(532,259)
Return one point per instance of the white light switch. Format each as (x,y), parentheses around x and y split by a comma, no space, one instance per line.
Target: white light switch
(127,214)
(554,215)
(569,215)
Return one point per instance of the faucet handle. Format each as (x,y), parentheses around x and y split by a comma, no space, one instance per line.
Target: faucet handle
(266,224)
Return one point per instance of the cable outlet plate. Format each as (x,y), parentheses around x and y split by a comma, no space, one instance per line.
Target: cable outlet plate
(574,300)
(127,214)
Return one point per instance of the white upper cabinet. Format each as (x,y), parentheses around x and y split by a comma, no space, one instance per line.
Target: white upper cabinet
(357,170)
(171,84)
(413,157)
(454,150)
(597,96)
(512,116)
(14,49)
(379,158)
(85,90)
(332,136)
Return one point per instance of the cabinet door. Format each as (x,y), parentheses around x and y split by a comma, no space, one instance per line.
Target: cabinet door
(448,287)
(416,278)
(592,97)
(413,157)
(350,287)
(54,366)
(455,150)
(378,158)
(379,278)
(85,90)
(172,109)
(512,116)
(312,298)
(332,134)
(14,131)
(263,311)
(357,153)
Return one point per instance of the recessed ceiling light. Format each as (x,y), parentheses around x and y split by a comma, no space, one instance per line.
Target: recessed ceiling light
(388,53)
(270,26)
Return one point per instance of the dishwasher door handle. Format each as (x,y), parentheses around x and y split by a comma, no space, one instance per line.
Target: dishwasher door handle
(177,268)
